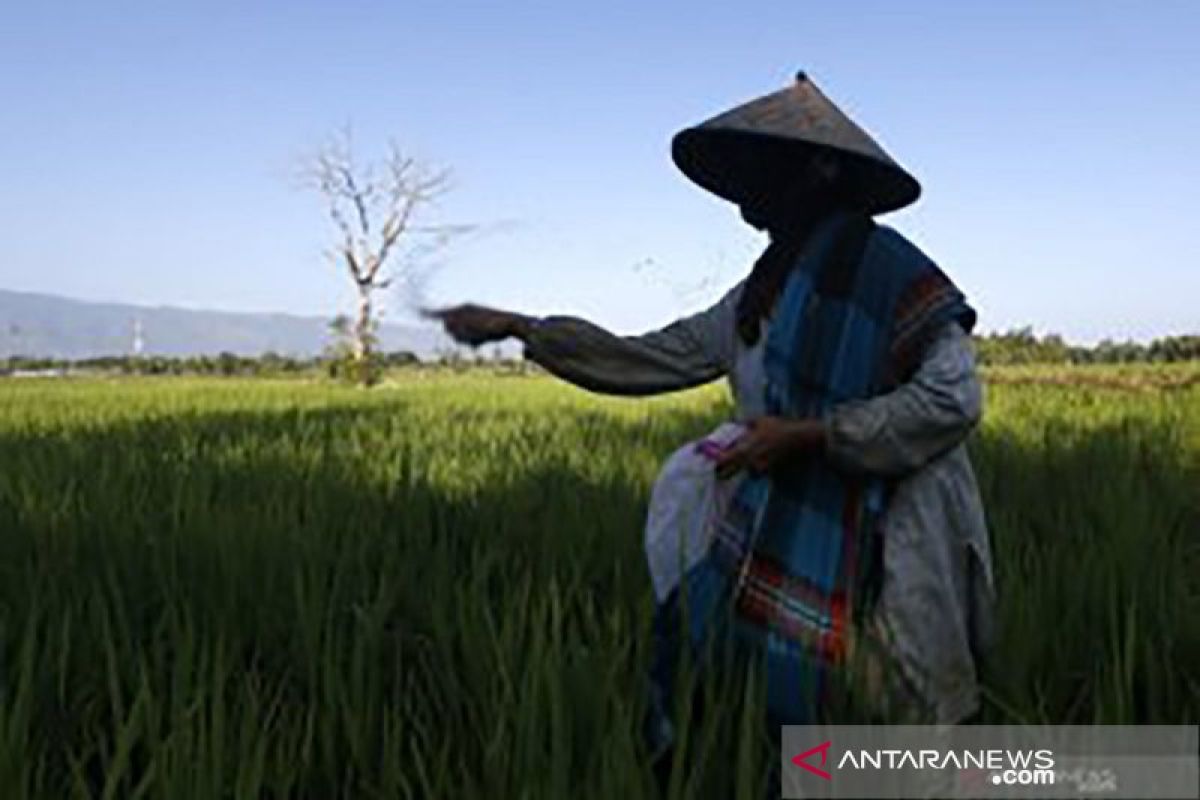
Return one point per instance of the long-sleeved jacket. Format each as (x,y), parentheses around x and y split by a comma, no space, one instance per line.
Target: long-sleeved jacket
(936,610)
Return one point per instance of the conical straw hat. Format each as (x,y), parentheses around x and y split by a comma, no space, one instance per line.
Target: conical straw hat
(750,149)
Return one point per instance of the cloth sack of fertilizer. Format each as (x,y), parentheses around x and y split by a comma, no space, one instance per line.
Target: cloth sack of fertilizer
(686,504)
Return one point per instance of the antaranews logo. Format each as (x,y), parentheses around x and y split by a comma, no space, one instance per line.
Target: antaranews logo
(905,762)
(1010,767)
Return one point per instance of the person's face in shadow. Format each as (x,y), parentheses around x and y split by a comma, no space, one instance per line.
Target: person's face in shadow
(796,196)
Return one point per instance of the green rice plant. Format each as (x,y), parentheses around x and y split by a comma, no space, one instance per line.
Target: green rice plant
(273,588)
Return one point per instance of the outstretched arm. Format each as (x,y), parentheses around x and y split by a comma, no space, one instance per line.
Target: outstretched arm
(688,352)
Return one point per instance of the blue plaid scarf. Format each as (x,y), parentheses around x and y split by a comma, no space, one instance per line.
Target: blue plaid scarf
(798,558)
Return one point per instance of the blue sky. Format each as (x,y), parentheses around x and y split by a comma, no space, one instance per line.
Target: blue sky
(147,148)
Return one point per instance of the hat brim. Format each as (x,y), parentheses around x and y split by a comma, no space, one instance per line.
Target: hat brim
(737,165)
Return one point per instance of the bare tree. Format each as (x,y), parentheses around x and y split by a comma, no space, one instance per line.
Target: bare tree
(375,207)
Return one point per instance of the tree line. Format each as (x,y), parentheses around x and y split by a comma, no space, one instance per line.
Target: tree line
(330,365)
(1020,346)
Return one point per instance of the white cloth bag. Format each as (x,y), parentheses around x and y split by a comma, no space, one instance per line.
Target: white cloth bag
(686,504)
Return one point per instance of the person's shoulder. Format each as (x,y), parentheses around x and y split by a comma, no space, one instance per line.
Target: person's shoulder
(890,242)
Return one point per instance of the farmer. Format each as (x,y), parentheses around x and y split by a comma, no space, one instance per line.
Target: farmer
(857,528)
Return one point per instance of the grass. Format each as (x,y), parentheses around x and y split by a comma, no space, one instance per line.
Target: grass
(224,588)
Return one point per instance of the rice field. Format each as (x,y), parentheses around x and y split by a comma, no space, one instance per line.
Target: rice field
(251,588)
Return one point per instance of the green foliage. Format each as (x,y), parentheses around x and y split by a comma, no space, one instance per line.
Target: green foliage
(347,368)
(349,360)
(274,588)
(1022,346)
(269,365)
(226,364)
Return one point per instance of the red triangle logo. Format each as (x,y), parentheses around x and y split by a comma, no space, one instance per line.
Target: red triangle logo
(823,749)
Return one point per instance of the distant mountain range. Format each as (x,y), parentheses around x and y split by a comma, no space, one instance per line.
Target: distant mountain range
(50,326)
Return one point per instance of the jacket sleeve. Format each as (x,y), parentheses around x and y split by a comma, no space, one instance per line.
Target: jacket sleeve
(898,432)
(688,352)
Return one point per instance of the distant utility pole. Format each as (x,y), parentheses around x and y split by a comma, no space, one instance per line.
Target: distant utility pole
(139,340)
